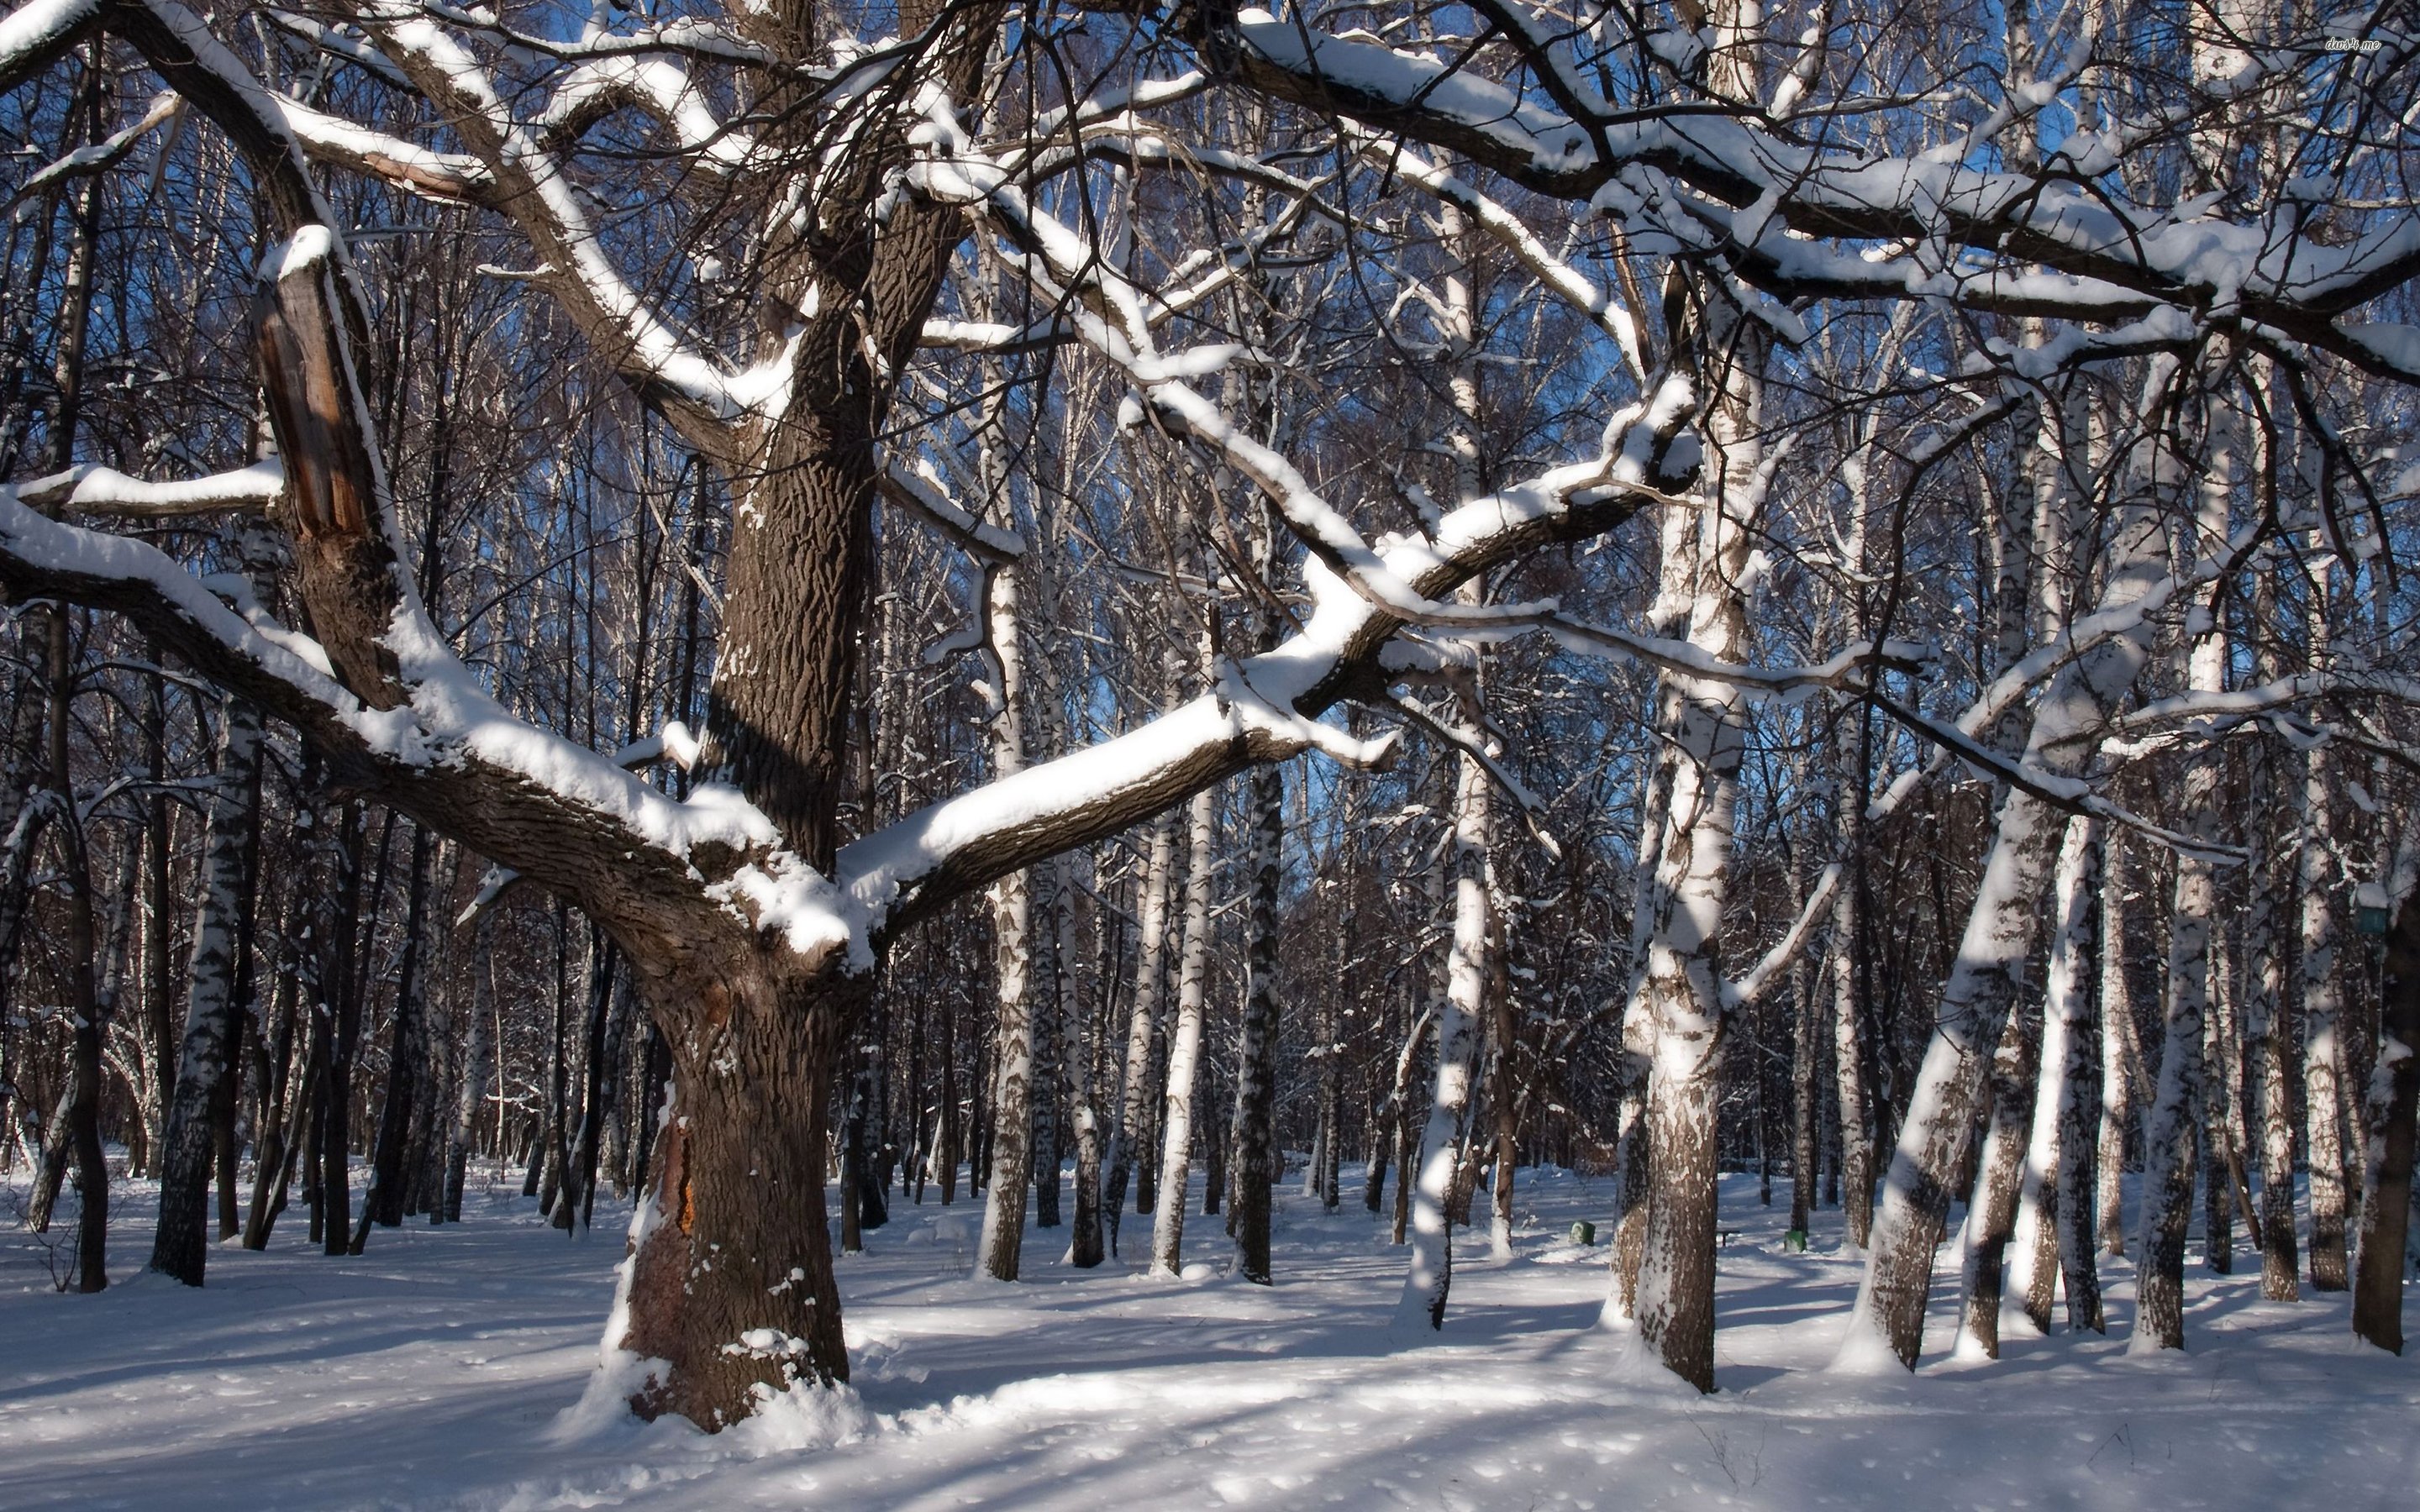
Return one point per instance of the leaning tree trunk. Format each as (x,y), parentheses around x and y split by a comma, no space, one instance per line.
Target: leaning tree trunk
(180,1244)
(2001,929)
(1184,1045)
(1999,1178)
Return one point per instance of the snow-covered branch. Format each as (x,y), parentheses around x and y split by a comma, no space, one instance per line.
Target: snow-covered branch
(90,488)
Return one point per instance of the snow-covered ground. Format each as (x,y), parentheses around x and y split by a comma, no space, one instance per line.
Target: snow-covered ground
(437,1371)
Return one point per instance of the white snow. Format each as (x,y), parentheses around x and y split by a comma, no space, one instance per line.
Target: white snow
(436,1371)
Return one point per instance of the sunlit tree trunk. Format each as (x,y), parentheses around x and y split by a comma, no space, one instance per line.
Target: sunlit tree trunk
(1430,1277)
(1012,1117)
(1185,1044)
(2168,1137)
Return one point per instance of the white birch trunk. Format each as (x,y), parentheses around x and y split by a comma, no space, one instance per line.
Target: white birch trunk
(1986,975)
(2323,1108)
(2054,1218)
(1011,1149)
(2120,1057)
(2168,1137)
(1127,1147)
(1184,1045)
(1429,1275)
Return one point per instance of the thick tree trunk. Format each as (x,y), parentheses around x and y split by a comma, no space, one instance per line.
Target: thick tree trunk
(728,1296)
(2264,1014)
(1184,1045)
(1678,982)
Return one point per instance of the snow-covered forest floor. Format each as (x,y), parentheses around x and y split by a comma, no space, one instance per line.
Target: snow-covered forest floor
(439,1370)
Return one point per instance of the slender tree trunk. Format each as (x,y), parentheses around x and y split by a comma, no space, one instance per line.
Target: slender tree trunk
(1012,1083)
(1256,1152)
(1985,974)
(1430,1277)
(382,1203)
(180,1245)
(2322,1007)
(1043,1092)
(478,1065)
(1085,1249)
(2118,1055)
(2380,1260)
(1999,1175)
(1805,1017)
(272,1162)
(159,986)
(80,1120)
(2059,1166)
(1128,1143)
(1184,1045)
(1505,1104)
(337,998)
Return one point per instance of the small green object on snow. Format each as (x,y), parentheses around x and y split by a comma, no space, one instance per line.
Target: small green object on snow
(1583,1233)
(2370,914)
(1794,1242)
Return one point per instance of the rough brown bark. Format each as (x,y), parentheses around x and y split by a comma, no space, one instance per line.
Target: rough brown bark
(740,1193)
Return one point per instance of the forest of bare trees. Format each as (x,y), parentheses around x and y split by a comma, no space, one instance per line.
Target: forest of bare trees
(747,610)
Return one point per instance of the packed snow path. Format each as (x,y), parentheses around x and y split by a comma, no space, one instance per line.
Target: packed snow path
(437,1371)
